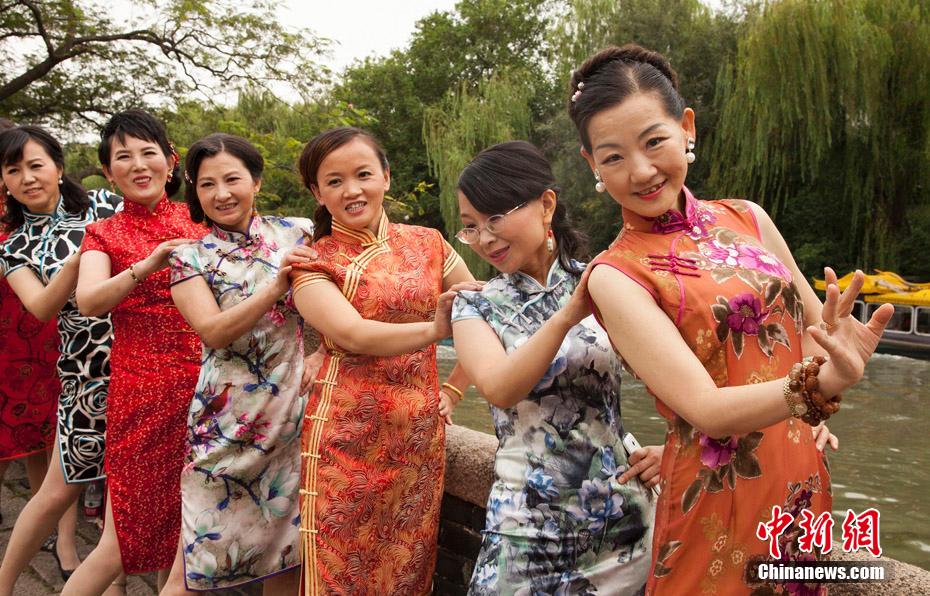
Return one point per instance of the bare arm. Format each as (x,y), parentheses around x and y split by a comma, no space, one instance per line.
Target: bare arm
(651,345)
(219,328)
(45,301)
(325,309)
(98,293)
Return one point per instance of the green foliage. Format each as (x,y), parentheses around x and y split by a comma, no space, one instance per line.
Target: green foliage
(697,42)
(449,51)
(465,123)
(827,100)
(71,63)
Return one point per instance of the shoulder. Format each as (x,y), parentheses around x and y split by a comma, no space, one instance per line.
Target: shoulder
(415,232)
(104,202)
(298,228)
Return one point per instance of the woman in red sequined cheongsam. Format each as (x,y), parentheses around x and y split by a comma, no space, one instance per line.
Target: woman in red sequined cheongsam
(155,358)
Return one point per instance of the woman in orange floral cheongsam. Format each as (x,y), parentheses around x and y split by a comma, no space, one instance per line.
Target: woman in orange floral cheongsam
(705,304)
(373,438)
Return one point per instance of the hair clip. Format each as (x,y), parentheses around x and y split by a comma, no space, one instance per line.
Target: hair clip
(577,93)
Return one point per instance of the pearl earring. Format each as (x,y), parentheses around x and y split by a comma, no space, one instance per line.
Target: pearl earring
(600,186)
(60,181)
(689,155)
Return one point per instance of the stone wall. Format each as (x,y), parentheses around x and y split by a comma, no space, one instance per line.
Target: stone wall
(469,475)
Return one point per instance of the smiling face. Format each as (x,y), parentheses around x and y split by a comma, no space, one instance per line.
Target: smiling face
(33,180)
(351,184)
(227,191)
(139,168)
(520,241)
(639,150)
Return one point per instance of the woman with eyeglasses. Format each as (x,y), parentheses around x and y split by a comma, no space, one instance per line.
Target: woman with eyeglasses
(562,516)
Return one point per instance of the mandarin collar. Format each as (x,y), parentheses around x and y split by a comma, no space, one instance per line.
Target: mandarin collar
(138,210)
(671,221)
(554,279)
(363,237)
(253,235)
(57,213)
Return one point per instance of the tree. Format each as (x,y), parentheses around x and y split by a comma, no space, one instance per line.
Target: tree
(826,122)
(448,49)
(74,59)
(465,123)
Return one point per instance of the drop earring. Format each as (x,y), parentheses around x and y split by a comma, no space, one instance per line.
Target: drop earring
(60,181)
(550,241)
(600,186)
(689,154)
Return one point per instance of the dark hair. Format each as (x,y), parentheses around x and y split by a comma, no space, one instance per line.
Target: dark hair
(508,174)
(613,74)
(210,146)
(141,125)
(313,155)
(12,142)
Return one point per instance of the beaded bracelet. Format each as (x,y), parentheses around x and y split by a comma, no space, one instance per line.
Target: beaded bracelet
(132,274)
(453,389)
(803,396)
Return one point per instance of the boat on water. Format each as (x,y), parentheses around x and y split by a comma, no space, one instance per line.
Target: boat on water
(908,331)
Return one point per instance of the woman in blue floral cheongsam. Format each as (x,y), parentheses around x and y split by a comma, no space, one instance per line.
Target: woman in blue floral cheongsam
(562,517)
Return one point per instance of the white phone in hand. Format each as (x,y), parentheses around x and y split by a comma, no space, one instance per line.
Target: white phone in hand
(631,444)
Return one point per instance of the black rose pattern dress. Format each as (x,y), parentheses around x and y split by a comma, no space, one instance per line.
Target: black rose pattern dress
(44,243)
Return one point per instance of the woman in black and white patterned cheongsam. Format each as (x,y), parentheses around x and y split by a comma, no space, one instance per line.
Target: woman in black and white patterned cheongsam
(46,213)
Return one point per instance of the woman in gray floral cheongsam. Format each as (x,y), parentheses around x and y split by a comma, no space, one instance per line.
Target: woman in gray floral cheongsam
(562,516)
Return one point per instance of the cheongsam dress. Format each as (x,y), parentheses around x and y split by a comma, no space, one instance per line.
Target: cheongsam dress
(738,309)
(373,440)
(241,479)
(558,521)
(43,243)
(29,386)
(155,363)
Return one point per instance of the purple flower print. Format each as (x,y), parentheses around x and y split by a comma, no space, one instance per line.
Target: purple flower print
(758,259)
(746,314)
(716,454)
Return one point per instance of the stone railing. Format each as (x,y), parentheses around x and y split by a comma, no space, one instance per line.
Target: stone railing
(469,475)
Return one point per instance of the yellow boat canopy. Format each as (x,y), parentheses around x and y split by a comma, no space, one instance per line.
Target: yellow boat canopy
(918,298)
(882,282)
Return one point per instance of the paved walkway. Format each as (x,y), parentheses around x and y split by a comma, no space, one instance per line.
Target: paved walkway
(42,577)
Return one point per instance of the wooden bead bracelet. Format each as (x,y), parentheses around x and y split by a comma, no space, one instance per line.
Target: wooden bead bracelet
(803,396)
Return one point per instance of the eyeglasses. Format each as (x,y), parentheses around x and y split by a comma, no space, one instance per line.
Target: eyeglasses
(473,235)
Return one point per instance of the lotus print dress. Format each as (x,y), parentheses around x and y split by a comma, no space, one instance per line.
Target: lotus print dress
(373,441)
(241,479)
(738,309)
(558,522)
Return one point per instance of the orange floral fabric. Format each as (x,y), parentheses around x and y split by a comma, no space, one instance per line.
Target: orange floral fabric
(373,442)
(739,311)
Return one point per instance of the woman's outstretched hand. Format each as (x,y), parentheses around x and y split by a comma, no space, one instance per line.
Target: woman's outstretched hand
(848,343)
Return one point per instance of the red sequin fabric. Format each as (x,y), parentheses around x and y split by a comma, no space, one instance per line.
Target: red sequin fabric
(154,365)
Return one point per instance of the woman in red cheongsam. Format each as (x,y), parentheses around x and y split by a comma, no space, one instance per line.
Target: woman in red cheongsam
(155,358)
